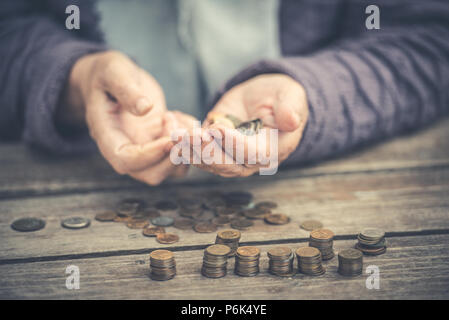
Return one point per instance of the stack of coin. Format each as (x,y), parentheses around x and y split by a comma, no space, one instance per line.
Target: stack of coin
(371,242)
(323,240)
(215,261)
(280,261)
(247,261)
(162,264)
(309,261)
(230,238)
(350,262)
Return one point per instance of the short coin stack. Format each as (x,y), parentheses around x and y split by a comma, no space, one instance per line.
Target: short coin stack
(309,261)
(280,261)
(323,240)
(215,261)
(247,261)
(371,242)
(162,264)
(350,262)
(230,238)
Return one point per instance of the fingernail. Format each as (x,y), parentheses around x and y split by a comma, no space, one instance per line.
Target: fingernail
(143,106)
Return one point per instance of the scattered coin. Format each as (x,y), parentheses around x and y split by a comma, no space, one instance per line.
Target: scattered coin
(207,215)
(280,261)
(350,262)
(165,205)
(153,231)
(241,224)
(215,261)
(311,225)
(125,219)
(183,224)
(129,207)
(227,211)
(309,261)
(229,238)
(256,213)
(250,128)
(247,261)
(323,240)
(75,223)
(162,265)
(137,224)
(105,216)
(205,227)
(221,221)
(266,205)
(277,218)
(190,213)
(28,224)
(162,221)
(167,238)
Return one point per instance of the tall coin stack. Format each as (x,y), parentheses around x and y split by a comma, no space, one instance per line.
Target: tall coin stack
(247,261)
(350,262)
(162,264)
(371,242)
(323,240)
(215,261)
(280,261)
(230,238)
(309,261)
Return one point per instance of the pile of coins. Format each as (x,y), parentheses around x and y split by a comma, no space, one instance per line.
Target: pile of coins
(229,238)
(249,128)
(162,264)
(323,240)
(309,261)
(215,261)
(350,262)
(280,261)
(371,242)
(247,261)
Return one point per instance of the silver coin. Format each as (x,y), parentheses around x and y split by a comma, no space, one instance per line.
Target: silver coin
(372,233)
(162,221)
(28,224)
(75,223)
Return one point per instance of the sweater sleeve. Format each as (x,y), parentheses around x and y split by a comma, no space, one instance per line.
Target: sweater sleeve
(367,88)
(36,58)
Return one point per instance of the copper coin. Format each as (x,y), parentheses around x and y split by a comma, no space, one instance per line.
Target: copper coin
(150,213)
(205,227)
(122,219)
(226,211)
(218,250)
(137,224)
(105,216)
(229,234)
(161,255)
(322,234)
(167,238)
(311,225)
(221,221)
(308,252)
(153,231)
(241,224)
(248,251)
(183,224)
(266,205)
(256,213)
(277,218)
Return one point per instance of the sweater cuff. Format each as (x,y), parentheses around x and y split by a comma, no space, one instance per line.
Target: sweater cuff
(41,101)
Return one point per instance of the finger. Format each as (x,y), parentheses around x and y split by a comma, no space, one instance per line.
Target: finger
(289,107)
(155,174)
(114,144)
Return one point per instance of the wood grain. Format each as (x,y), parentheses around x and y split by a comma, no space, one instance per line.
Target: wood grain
(412,268)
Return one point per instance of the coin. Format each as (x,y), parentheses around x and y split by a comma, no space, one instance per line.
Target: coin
(161,255)
(150,213)
(221,221)
(105,216)
(28,224)
(322,234)
(241,224)
(226,211)
(218,250)
(311,225)
(250,128)
(280,261)
(371,241)
(266,205)
(323,240)
(183,224)
(190,213)
(190,203)
(137,224)
(152,231)
(215,261)
(125,219)
(229,238)
(256,213)
(162,221)
(129,206)
(162,265)
(205,227)
(350,262)
(247,261)
(309,261)
(165,205)
(167,238)
(372,233)
(75,223)
(277,218)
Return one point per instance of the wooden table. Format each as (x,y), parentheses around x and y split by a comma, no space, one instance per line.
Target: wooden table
(401,186)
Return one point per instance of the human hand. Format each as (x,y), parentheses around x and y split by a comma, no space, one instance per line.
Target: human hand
(125,111)
(279,101)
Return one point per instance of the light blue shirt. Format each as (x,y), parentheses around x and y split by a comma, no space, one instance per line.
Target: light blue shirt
(192,46)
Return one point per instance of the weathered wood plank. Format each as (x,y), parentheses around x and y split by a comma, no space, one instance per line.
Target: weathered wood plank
(395,201)
(412,268)
(26,172)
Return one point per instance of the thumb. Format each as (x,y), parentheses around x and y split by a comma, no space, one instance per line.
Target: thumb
(287,108)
